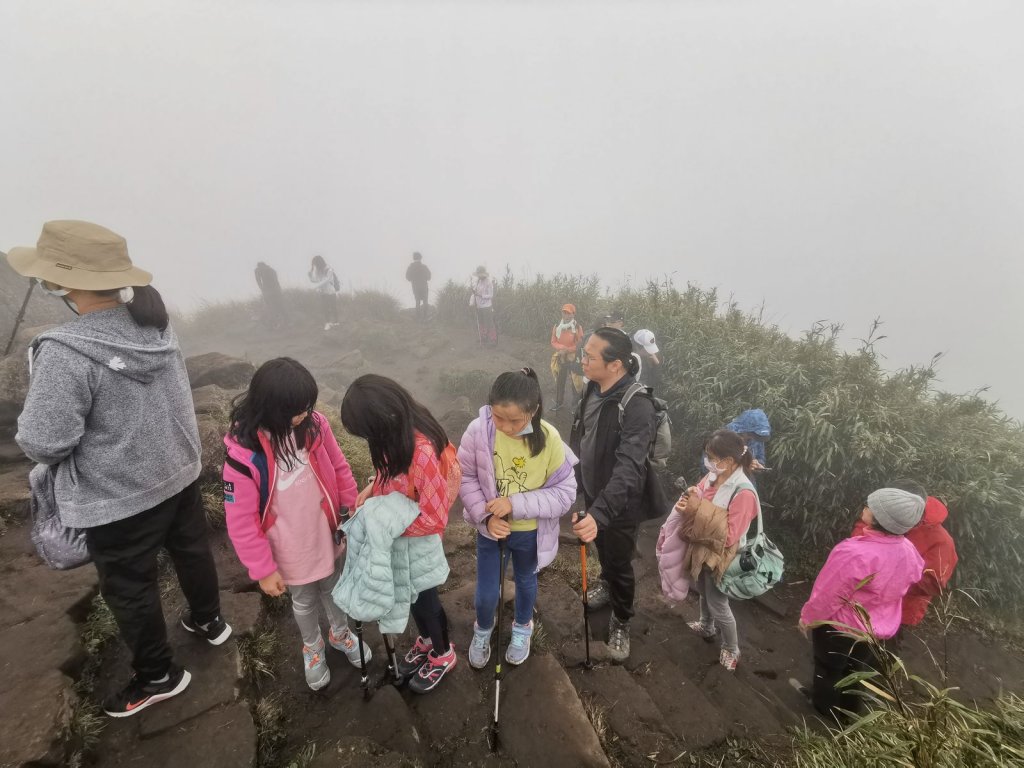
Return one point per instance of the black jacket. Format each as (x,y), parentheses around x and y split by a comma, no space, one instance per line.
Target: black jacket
(629,491)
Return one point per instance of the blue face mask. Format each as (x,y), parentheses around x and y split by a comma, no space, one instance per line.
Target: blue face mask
(527,430)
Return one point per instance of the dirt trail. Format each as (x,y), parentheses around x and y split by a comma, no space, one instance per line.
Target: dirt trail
(669,703)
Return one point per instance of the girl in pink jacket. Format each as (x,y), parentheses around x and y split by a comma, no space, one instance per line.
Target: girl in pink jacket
(286,485)
(517,481)
(865,575)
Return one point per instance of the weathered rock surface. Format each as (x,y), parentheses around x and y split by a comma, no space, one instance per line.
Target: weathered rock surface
(223,370)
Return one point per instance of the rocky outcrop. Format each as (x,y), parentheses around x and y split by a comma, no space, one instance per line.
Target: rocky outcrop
(222,370)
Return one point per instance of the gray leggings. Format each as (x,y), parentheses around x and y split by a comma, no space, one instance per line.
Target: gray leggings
(715,610)
(304,605)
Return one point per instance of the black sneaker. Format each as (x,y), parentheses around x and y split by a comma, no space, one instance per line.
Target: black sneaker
(214,632)
(433,670)
(137,695)
(410,664)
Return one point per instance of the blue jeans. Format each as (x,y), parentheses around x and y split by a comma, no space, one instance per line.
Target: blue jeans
(522,546)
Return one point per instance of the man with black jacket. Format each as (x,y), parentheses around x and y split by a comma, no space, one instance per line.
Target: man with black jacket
(619,487)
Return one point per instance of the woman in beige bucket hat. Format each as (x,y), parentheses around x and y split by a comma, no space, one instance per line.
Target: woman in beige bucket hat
(110,409)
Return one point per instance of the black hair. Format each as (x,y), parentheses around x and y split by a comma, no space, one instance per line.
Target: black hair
(619,347)
(319,264)
(146,307)
(417,257)
(910,486)
(385,415)
(280,390)
(522,388)
(726,444)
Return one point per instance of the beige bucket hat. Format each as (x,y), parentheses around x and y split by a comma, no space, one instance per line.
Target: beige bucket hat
(78,254)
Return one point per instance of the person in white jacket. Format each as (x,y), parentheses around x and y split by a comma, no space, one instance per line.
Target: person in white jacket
(326,284)
(483,299)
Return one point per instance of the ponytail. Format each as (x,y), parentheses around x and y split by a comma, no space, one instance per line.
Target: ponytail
(522,388)
(619,347)
(144,303)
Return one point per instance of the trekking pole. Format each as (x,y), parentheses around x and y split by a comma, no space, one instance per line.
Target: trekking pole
(493,739)
(364,679)
(344,515)
(20,317)
(389,648)
(587,664)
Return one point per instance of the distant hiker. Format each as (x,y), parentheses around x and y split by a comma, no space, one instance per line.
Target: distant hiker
(327,286)
(650,357)
(716,514)
(565,336)
(614,319)
(109,405)
(619,486)
(266,279)
(285,484)
(935,545)
(753,427)
(418,274)
(517,481)
(483,299)
(874,571)
(411,455)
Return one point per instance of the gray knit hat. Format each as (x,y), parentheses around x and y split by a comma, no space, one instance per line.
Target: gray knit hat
(895,510)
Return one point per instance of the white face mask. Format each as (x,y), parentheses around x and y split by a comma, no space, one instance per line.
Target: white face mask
(527,430)
(60,293)
(710,466)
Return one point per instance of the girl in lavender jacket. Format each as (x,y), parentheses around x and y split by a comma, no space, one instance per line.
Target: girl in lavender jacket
(517,480)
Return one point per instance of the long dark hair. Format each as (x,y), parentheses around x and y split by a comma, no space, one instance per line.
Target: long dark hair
(280,390)
(522,388)
(619,347)
(146,307)
(726,444)
(385,415)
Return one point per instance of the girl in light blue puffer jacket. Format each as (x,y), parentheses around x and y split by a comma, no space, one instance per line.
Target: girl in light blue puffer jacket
(517,481)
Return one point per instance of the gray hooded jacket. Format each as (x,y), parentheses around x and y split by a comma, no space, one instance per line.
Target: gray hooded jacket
(109,403)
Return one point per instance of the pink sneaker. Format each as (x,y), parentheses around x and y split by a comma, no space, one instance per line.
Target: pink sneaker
(433,671)
(410,664)
(729,659)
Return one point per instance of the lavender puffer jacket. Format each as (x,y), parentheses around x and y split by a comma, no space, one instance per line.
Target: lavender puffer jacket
(547,504)
(671,552)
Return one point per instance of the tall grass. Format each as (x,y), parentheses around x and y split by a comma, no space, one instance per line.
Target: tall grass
(842,425)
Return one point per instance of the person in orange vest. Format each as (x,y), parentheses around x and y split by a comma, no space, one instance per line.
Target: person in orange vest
(565,337)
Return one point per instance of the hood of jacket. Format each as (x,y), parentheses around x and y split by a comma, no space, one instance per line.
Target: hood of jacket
(755,421)
(935,512)
(113,340)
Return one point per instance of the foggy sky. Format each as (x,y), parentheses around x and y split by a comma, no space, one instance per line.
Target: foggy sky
(835,160)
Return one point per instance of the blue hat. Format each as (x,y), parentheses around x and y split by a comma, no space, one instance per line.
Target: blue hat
(754,420)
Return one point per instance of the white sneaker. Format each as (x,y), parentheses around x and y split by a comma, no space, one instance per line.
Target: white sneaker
(345,641)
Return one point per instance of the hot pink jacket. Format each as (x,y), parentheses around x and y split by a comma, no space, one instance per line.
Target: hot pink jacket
(248,524)
(888,564)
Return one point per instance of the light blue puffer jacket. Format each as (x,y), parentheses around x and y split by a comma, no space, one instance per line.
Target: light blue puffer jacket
(385,571)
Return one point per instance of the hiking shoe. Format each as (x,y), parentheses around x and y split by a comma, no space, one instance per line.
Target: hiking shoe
(314,664)
(599,596)
(345,641)
(137,695)
(480,647)
(729,659)
(706,631)
(519,649)
(433,670)
(410,664)
(214,632)
(618,639)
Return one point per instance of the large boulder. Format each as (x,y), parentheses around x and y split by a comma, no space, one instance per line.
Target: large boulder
(211,400)
(223,370)
(13,388)
(211,437)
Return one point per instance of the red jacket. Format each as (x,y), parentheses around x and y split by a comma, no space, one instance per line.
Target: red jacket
(432,482)
(939,552)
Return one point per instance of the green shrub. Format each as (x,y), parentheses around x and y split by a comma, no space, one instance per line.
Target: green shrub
(474,384)
(841,425)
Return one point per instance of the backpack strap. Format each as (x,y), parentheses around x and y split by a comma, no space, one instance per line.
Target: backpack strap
(259,460)
(747,486)
(632,389)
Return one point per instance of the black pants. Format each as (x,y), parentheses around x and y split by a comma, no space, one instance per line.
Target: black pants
(835,657)
(420,294)
(125,556)
(615,547)
(564,371)
(431,620)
